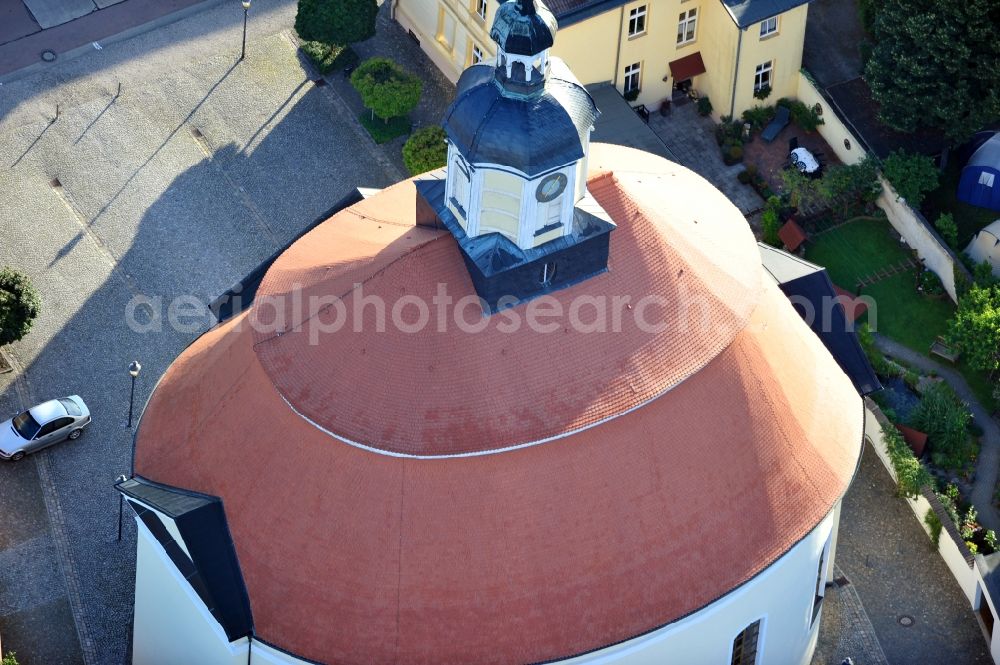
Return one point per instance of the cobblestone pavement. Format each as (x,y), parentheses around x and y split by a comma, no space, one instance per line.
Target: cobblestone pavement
(988,462)
(180,184)
(845,630)
(691,139)
(888,558)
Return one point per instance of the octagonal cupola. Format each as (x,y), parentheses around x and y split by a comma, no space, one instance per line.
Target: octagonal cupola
(515,192)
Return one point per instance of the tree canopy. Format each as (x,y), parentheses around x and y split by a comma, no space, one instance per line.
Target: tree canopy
(975,329)
(19,306)
(386,88)
(338,22)
(936,64)
(425,150)
(912,176)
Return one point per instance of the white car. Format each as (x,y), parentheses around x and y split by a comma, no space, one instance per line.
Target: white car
(43,425)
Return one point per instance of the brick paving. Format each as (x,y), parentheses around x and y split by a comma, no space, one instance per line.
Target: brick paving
(691,139)
(145,205)
(889,560)
(845,630)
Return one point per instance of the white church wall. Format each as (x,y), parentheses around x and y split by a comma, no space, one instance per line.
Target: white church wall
(172,624)
(781,596)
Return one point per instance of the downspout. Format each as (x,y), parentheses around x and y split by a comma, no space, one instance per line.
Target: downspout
(736,73)
(618,51)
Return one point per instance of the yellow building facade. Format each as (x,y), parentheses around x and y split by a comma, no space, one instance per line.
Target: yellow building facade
(651,50)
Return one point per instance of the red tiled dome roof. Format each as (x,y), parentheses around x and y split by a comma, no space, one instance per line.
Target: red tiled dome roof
(683,443)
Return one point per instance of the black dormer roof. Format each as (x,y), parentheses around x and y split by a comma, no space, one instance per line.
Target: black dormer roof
(524,27)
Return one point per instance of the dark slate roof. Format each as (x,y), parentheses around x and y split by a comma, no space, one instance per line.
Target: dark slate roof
(988,154)
(747,12)
(804,282)
(743,12)
(531,133)
(524,28)
(212,569)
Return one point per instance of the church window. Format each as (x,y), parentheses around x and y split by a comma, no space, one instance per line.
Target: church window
(745,645)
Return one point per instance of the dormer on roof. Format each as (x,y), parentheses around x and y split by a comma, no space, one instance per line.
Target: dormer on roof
(515,194)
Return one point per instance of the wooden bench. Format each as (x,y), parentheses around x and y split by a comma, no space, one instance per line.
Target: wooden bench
(941,348)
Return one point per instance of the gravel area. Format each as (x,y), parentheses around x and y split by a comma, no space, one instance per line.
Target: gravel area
(179,184)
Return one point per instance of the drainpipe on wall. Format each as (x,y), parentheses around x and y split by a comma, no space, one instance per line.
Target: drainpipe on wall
(736,74)
(618,51)
(392,9)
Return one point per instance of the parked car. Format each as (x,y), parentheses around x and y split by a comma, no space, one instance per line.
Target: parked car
(43,425)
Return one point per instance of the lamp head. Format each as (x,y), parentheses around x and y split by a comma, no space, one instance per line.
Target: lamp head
(246,4)
(134,368)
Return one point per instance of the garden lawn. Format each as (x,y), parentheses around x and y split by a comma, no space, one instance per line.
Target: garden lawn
(853,250)
(903,314)
(945,199)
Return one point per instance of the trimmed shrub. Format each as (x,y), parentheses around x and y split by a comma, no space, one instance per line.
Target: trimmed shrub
(744,177)
(425,150)
(19,306)
(733,154)
(802,115)
(930,284)
(386,88)
(327,57)
(704,106)
(336,21)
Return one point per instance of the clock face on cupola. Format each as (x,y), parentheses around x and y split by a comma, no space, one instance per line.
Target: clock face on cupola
(515,192)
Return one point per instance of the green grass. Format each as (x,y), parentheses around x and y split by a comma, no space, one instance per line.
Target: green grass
(945,199)
(387,130)
(905,315)
(856,249)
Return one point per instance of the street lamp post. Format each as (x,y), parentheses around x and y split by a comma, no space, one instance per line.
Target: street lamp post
(133,370)
(246,10)
(121,506)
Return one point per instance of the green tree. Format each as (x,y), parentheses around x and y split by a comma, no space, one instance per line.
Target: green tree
(912,176)
(339,22)
(386,88)
(851,183)
(425,150)
(19,306)
(9,659)
(948,229)
(975,328)
(911,475)
(945,419)
(936,64)
(803,191)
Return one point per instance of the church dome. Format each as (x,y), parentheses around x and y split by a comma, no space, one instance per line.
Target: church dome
(532,134)
(523,28)
(508,496)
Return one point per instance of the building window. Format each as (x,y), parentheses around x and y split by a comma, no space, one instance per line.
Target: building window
(687,26)
(481,9)
(633,77)
(745,645)
(548,273)
(768,26)
(477,54)
(762,77)
(637,21)
(820,590)
(460,185)
(986,179)
(446,29)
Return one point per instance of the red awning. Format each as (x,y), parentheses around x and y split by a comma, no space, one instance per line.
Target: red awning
(687,67)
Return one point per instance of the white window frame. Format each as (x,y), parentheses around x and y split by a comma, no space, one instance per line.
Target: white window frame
(477,54)
(636,16)
(480,10)
(633,72)
(461,185)
(687,22)
(768,27)
(446,37)
(763,75)
(759,652)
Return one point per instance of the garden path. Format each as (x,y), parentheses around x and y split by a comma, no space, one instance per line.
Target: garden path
(989,454)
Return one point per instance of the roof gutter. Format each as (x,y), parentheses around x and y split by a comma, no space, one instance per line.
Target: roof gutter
(736,73)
